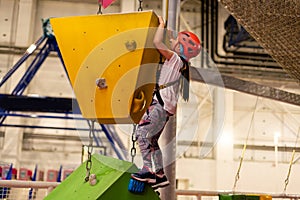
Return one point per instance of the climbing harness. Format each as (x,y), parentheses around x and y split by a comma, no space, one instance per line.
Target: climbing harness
(133,140)
(161,62)
(88,165)
(237,176)
(163,86)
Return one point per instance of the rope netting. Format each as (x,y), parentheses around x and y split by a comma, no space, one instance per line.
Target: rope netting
(275,25)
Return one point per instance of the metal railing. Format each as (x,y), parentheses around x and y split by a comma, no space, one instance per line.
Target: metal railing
(38,190)
(16,189)
(199,194)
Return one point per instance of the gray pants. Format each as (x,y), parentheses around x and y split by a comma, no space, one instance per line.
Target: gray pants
(148,133)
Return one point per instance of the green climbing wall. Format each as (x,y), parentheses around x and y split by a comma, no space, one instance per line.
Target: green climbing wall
(113,176)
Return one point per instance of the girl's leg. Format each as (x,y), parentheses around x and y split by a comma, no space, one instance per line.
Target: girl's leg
(160,177)
(150,129)
(157,155)
(151,124)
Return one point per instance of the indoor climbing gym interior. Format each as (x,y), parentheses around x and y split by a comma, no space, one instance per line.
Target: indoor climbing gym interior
(149,99)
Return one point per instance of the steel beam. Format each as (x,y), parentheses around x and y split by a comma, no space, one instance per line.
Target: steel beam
(214,78)
(35,104)
(28,52)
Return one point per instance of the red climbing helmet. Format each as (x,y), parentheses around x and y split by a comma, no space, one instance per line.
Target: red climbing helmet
(190,44)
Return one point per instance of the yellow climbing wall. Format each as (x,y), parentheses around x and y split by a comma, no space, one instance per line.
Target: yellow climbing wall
(117,48)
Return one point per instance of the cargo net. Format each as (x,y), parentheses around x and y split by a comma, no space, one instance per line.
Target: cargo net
(275,25)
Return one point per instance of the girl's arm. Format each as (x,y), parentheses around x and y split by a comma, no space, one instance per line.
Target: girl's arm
(158,40)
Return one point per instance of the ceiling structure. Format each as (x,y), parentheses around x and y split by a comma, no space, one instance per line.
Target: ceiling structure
(276,38)
(245,62)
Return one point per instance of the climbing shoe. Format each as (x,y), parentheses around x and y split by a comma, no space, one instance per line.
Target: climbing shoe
(144,175)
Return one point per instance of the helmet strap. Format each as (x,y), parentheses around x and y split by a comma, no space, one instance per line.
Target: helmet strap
(182,51)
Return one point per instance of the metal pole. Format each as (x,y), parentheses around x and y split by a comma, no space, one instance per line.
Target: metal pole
(32,69)
(27,184)
(168,141)
(28,52)
(173,14)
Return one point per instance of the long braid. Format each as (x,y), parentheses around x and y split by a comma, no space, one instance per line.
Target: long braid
(185,80)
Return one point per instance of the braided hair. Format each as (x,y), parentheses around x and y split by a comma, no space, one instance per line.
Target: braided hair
(185,80)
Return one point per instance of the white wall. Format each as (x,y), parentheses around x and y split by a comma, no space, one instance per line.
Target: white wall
(261,170)
(254,176)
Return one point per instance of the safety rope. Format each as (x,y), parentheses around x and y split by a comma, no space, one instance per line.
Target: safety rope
(133,140)
(237,176)
(140,5)
(99,12)
(286,181)
(88,165)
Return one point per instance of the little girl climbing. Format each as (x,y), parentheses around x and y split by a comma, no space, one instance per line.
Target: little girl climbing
(173,79)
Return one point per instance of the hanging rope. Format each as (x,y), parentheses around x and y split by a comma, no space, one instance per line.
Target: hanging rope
(237,176)
(88,165)
(286,181)
(140,5)
(99,12)
(133,140)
